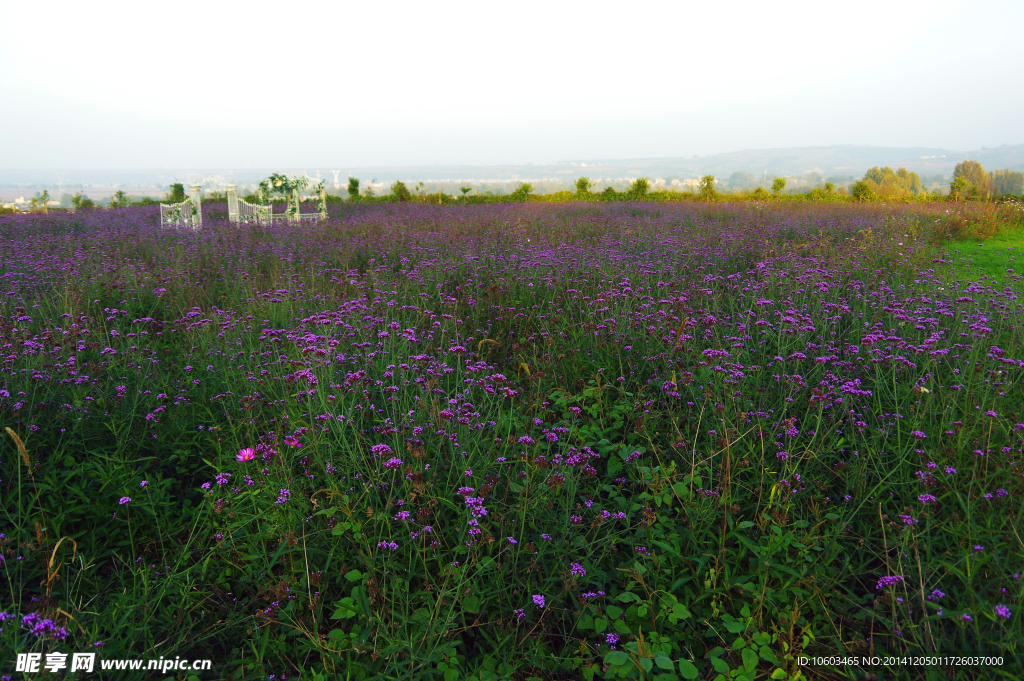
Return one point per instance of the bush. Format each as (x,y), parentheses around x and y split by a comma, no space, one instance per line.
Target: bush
(522,192)
(177,194)
(638,189)
(399,192)
(707,188)
(861,191)
(958,187)
(583,186)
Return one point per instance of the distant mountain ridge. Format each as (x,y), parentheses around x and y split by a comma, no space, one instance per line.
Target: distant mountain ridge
(846,160)
(830,160)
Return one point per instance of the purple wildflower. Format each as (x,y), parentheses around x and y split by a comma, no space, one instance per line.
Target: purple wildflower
(889,580)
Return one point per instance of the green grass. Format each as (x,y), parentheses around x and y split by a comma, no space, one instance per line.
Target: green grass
(989,259)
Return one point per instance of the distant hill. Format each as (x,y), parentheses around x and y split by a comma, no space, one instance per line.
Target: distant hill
(842,160)
(832,160)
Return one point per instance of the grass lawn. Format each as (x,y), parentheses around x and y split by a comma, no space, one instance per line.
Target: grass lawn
(993,258)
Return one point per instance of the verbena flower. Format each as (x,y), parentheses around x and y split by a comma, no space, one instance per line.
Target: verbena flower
(889,580)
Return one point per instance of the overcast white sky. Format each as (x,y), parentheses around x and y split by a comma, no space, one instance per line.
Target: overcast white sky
(105,84)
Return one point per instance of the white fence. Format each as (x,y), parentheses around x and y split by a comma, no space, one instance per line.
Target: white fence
(188,213)
(241,211)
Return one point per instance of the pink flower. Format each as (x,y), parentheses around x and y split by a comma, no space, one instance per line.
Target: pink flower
(247,454)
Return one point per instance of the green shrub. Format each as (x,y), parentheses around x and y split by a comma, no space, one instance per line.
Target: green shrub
(861,191)
(638,189)
(522,192)
(399,192)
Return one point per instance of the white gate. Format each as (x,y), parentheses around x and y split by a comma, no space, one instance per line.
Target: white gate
(241,211)
(188,213)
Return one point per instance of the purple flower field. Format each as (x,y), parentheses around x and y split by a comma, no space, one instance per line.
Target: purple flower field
(509,441)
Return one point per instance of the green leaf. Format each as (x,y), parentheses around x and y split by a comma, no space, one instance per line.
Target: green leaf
(745,524)
(627,597)
(451,675)
(663,661)
(735,626)
(600,625)
(353,575)
(738,643)
(337,635)
(749,659)
(621,627)
(687,670)
(646,663)
(471,604)
(680,611)
(779,674)
(344,609)
(616,657)
(614,611)
(768,655)
(719,664)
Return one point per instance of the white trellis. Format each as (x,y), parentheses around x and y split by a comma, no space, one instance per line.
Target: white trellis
(241,211)
(188,213)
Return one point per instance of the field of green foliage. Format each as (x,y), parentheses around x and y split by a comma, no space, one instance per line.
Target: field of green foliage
(517,441)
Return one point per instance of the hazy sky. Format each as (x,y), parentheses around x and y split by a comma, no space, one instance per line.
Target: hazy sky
(104,84)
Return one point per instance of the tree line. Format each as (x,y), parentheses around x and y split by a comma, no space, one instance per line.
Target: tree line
(970,182)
